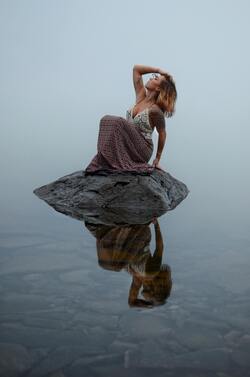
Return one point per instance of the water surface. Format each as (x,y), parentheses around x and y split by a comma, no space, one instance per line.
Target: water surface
(65,313)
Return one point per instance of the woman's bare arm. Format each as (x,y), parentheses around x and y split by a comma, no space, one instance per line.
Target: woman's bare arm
(157,120)
(138,71)
(161,142)
(143,69)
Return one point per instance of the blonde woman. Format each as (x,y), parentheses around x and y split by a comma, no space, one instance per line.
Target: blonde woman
(126,144)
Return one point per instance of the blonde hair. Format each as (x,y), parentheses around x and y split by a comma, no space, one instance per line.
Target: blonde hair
(167,96)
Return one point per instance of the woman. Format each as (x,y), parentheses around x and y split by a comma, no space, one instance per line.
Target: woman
(126,144)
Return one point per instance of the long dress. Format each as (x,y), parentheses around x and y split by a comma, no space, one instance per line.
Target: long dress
(123,144)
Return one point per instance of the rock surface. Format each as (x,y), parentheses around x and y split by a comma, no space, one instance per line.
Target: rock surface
(114,197)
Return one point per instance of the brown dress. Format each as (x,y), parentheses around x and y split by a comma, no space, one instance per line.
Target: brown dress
(123,144)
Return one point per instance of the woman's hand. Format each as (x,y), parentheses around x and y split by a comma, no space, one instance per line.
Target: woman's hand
(154,220)
(156,163)
(164,73)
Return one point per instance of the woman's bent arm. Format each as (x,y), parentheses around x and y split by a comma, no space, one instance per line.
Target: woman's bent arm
(138,71)
(143,69)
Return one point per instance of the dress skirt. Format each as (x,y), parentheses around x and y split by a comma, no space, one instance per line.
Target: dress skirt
(121,146)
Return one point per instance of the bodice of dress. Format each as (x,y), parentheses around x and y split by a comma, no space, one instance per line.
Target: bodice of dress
(141,120)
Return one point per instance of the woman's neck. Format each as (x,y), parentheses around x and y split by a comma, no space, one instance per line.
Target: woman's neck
(151,97)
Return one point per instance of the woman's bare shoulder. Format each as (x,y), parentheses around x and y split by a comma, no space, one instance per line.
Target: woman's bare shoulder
(156,117)
(155,109)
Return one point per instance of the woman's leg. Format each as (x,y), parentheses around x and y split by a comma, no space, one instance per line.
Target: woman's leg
(120,146)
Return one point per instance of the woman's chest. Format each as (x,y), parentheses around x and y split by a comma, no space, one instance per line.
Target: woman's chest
(139,108)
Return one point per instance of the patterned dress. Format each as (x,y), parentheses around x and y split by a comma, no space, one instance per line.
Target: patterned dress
(123,144)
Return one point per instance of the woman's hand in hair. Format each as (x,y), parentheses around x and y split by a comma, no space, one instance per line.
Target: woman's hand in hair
(164,73)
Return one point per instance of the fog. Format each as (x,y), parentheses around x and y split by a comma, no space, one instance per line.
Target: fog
(64,64)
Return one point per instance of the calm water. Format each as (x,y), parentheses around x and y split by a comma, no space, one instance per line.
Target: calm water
(64,305)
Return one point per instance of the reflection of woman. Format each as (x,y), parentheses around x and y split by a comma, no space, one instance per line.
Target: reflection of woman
(127,247)
(126,144)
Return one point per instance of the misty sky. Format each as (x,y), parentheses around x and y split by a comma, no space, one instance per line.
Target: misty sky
(64,64)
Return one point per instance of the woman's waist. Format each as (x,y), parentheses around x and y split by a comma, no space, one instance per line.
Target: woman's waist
(144,127)
(145,131)
(148,137)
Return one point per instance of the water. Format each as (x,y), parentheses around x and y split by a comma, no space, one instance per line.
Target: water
(66,313)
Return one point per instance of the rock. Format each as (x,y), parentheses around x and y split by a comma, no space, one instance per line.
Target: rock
(216,359)
(56,360)
(135,327)
(232,337)
(198,337)
(241,358)
(112,198)
(14,359)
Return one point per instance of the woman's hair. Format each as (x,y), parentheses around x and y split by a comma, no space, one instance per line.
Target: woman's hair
(167,96)
(158,289)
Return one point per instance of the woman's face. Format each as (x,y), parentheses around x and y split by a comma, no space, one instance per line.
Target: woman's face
(154,82)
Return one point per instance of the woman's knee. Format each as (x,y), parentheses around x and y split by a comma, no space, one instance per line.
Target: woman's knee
(103,118)
(112,118)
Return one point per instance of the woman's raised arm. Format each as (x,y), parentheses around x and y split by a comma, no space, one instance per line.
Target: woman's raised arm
(138,71)
(143,69)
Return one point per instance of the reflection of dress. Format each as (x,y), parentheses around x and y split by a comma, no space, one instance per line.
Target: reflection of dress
(125,247)
(123,144)
(120,246)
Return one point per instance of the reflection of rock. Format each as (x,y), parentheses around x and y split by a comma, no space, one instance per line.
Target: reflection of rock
(125,194)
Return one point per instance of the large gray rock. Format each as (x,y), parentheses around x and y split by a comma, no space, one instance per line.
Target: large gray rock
(114,198)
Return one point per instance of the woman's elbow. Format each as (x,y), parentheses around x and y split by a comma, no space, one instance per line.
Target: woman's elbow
(136,67)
